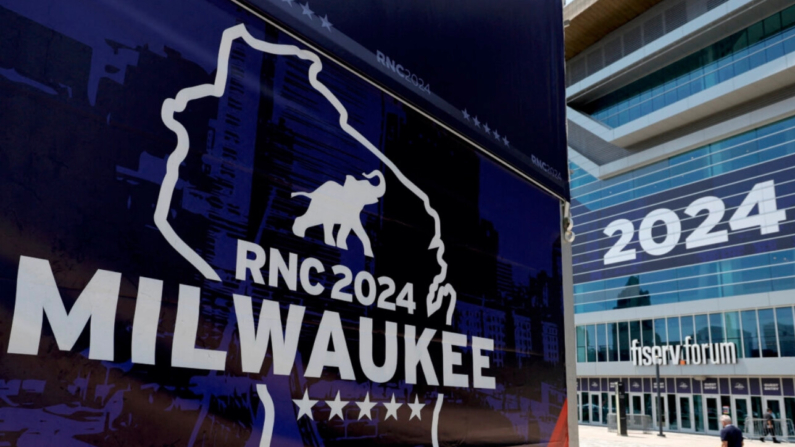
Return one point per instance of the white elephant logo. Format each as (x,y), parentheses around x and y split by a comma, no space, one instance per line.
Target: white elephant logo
(334,204)
(342,205)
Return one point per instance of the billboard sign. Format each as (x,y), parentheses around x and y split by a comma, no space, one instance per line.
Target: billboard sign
(734,214)
(215,235)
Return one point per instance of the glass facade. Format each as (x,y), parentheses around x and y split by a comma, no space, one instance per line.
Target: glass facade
(740,328)
(707,236)
(786,338)
(732,56)
(596,204)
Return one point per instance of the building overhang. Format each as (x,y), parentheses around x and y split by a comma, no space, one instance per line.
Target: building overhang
(591,20)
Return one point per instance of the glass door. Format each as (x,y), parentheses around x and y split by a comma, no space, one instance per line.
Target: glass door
(789,413)
(698,413)
(685,410)
(586,411)
(595,408)
(740,411)
(713,413)
(636,404)
(673,413)
(776,404)
(659,410)
(605,407)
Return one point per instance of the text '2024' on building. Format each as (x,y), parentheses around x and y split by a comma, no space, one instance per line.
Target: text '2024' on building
(218,233)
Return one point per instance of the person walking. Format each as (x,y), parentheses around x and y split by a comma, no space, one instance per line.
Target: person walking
(770,428)
(730,435)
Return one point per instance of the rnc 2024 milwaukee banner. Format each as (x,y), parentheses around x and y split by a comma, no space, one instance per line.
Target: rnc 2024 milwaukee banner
(210,235)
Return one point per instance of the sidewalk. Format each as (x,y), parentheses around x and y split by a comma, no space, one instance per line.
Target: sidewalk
(591,436)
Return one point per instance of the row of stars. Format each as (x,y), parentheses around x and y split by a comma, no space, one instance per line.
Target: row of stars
(485,127)
(305,405)
(324,22)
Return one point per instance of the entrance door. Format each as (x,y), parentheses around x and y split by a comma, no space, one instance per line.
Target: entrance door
(698,412)
(685,411)
(636,404)
(673,412)
(659,410)
(776,404)
(740,411)
(713,413)
(586,408)
(596,408)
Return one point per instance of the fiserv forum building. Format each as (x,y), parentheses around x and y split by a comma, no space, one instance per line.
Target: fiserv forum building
(682,167)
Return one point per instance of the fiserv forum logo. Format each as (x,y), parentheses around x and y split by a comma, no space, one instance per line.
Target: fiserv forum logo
(437,290)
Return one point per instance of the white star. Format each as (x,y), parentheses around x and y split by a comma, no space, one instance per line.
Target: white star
(477,122)
(505,140)
(365,407)
(336,406)
(306,11)
(416,407)
(466,114)
(392,408)
(486,127)
(305,406)
(325,23)
(290,2)
(496,135)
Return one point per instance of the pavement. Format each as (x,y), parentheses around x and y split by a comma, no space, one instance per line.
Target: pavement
(593,436)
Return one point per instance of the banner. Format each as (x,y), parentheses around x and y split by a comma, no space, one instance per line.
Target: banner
(214,235)
(733,214)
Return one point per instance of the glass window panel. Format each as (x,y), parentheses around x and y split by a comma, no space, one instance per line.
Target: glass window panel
(673,331)
(788,20)
(590,334)
(612,339)
(601,342)
(595,407)
(716,328)
(750,334)
(767,333)
(660,332)
(581,346)
(586,406)
(687,329)
(624,341)
(702,329)
(772,24)
(672,419)
(786,338)
(789,406)
(634,332)
(756,407)
(733,331)
(647,326)
(697,412)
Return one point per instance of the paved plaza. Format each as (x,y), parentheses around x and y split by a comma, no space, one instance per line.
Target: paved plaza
(591,436)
